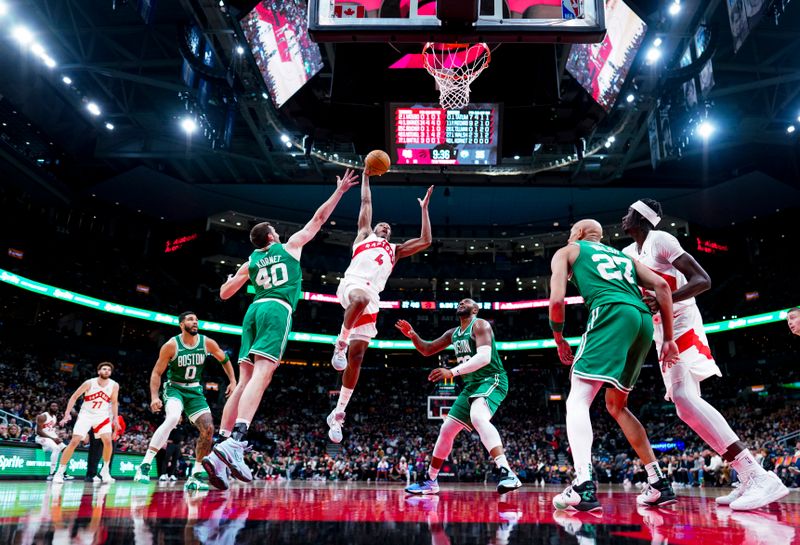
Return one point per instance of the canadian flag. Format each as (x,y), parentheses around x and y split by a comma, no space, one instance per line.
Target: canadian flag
(348,10)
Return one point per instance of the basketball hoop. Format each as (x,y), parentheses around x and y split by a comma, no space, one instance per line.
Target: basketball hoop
(455,67)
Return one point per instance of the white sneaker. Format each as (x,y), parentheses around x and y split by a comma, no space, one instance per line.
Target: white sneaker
(58,478)
(173,478)
(164,478)
(339,359)
(106,477)
(738,490)
(335,421)
(760,490)
(96,480)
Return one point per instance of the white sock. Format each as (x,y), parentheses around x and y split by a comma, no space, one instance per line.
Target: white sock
(149,455)
(54,460)
(105,469)
(746,465)
(433,473)
(501,461)
(654,473)
(224,433)
(583,473)
(344,399)
(579,425)
(344,335)
(197,468)
(61,470)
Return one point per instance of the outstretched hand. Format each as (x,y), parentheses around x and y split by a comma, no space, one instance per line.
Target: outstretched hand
(427,199)
(405,328)
(347,181)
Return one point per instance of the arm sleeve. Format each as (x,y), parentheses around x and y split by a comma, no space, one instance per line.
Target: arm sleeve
(667,247)
(480,359)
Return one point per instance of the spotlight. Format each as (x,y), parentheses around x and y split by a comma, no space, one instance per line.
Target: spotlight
(93,108)
(49,61)
(109,126)
(67,80)
(653,55)
(3,8)
(188,125)
(705,129)
(790,129)
(284,138)
(608,143)
(630,98)
(265,96)
(288,144)
(239,50)
(516,157)
(657,42)
(674,8)
(612,138)
(22,35)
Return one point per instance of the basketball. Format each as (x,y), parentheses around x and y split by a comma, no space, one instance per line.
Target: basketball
(377,162)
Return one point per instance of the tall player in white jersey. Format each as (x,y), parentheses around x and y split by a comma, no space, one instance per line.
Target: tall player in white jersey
(661,252)
(99,413)
(47,437)
(359,291)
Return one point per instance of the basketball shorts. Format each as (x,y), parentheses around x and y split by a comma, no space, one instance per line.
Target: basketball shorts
(190,396)
(493,388)
(48,445)
(365,327)
(265,330)
(695,361)
(614,346)
(99,423)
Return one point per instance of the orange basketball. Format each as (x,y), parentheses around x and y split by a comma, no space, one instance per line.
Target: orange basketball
(377,162)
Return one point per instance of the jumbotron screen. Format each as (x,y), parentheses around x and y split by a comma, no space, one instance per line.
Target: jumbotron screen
(424,134)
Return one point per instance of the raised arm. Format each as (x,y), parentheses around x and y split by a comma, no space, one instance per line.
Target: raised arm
(482,332)
(220,355)
(72,400)
(426,348)
(166,353)
(365,212)
(234,282)
(302,237)
(650,280)
(411,247)
(559,268)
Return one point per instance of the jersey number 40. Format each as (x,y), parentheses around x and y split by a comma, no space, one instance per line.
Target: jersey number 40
(272,276)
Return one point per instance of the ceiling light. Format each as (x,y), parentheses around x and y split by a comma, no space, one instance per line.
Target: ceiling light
(522,246)
(612,138)
(3,8)
(188,125)
(265,96)
(674,8)
(705,129)
(222,261)
(608,144)
(790,129)
(240,50)
(238,224)
(630,98)
(284,138)
(93,108)
(110,126)
(222,220)
(653,54)
(657,42)
(516,157)
(22,35)
(67,80)
(49,61)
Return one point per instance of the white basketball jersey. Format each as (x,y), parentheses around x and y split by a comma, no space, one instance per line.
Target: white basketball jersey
(373,261)
(49,426)
(97,399)
(658,252)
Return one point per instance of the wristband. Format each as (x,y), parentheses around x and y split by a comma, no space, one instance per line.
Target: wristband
(226,360)
(557,327)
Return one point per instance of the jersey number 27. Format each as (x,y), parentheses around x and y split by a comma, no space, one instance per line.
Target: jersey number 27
(609,267)
(273,276)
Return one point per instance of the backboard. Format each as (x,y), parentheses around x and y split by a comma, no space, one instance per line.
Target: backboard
(498,21)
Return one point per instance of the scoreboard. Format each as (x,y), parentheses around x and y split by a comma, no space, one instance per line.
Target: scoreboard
(423,134)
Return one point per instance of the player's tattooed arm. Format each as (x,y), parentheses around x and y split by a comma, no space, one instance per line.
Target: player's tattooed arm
(426,348)
(166,353)
(415,245)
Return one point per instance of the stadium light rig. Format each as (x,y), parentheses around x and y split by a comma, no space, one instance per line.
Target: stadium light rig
(705,129)
(674,8)
(188,125)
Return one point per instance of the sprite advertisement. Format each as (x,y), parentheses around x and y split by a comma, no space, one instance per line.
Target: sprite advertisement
(25,460)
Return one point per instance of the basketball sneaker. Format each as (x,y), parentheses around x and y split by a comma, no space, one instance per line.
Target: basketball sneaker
(581,497)
(142,474)
(428,487)
(196,482)
(657,494)
(339,359)
(759,491)
(58,478)
(734,494)
(105,476)
(218,473)
(335,421)
(508,481)
(231,452)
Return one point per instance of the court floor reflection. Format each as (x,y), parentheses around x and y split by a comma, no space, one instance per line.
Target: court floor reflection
(366,513)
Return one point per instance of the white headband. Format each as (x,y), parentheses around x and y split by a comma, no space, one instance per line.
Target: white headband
(648,213)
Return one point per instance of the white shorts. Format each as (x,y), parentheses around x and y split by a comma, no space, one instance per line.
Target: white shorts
(695,361)
(100,424)
(365,328)
(48,445)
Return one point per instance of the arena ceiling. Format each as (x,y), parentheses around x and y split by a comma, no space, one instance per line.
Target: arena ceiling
(134,69)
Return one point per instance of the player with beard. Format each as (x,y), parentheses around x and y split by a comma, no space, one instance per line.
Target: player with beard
(485,388)
(99,413)
(793,320)
(359,291)
(662,253)
(183,357)
(46,435)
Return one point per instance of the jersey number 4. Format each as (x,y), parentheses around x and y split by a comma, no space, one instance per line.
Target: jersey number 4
(609,267)
(273,276)
(379,259)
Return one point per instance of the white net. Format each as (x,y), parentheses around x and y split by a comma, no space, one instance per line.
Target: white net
(455,67)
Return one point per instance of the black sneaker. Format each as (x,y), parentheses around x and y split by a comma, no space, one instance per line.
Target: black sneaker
(581,497)
(657,494)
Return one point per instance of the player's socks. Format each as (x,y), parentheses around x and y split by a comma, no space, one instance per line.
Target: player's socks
(654,473)
(149,455)
(197,467)
(344,399)
(745,465)
(502,462)
(344,335)
(224,433)
(433,473)
(583,473)
(240,429)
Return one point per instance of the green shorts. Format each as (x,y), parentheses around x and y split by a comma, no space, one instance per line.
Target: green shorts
(265,330)
(615,345)
(493,388)
(191,398)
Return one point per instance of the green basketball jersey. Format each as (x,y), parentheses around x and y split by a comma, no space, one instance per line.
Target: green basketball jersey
(605,276)
(188,363)
(276,274)
(465,348)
